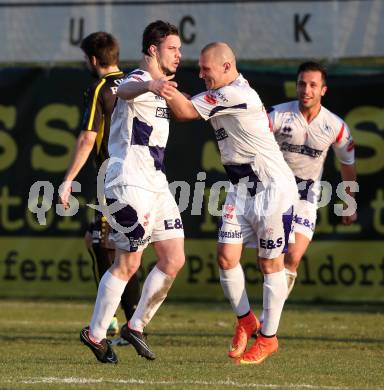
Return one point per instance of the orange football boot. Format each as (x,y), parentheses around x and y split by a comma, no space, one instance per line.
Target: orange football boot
(245,328)
(259,350)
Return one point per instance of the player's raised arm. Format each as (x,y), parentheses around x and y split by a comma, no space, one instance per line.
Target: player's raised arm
(135,86)
(181,107)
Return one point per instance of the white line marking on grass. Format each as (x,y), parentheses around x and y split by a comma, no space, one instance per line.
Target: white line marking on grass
(185,382)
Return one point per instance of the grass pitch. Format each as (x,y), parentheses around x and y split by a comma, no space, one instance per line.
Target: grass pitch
(321,347)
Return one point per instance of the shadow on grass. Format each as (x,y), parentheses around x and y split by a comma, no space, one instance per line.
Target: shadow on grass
(186,338)
(228,336)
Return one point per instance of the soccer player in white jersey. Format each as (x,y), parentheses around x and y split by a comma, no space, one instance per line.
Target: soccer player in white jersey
(135,180)
(305,130)
(262,213)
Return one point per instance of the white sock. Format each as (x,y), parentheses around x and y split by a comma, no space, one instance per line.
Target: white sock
(291,277)
(274,294)
(233,284)
(108,298)
(154,292)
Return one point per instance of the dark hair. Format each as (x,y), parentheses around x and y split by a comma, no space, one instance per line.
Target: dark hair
(313,66)
(155,32)
(103,46)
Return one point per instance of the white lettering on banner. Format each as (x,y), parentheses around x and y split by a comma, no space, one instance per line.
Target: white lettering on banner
(42,31)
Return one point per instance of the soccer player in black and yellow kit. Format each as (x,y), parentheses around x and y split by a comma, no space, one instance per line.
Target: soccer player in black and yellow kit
(101,52)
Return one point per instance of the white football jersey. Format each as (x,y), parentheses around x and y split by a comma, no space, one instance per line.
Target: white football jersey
(243,132)
(305,145)
(138,136)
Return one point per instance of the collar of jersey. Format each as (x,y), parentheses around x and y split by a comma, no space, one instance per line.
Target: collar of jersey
(113,74)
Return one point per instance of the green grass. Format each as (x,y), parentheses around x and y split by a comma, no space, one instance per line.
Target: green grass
(321,347)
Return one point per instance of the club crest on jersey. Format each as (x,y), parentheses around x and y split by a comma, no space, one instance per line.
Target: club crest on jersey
(228,211)
(288,120)
(269,231)
(146,219)
(210,99)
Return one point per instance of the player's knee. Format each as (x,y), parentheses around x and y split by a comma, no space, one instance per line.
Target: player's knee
(172,264)
(224,260)
(292,259)
(124,271)
(228,256)
(178,261)
(126,264)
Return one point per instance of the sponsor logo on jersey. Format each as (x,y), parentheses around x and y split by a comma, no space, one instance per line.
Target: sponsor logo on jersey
(301,149)
(230,234)
(157,97)
(210,99)
(221,134)
(271,244)
(163,112)
(136,242)
(170,224)
(304,222)
(221,96)
(286,132)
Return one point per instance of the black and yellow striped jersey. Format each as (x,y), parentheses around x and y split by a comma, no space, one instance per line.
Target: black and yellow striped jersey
(99,101)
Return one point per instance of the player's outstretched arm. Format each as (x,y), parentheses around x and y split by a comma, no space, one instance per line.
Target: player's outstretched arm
(84,146)
(181,107)
(348,173)
(132,89)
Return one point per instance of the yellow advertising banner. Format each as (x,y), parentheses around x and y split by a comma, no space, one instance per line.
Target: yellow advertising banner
(59,267)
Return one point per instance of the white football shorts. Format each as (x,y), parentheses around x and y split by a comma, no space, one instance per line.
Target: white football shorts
(263,220)
(144,217)
(304,220)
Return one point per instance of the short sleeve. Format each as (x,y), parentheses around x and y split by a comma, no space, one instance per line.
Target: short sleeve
(137,76)
(94,109)
(273,119)
(223,101)
(344,146)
